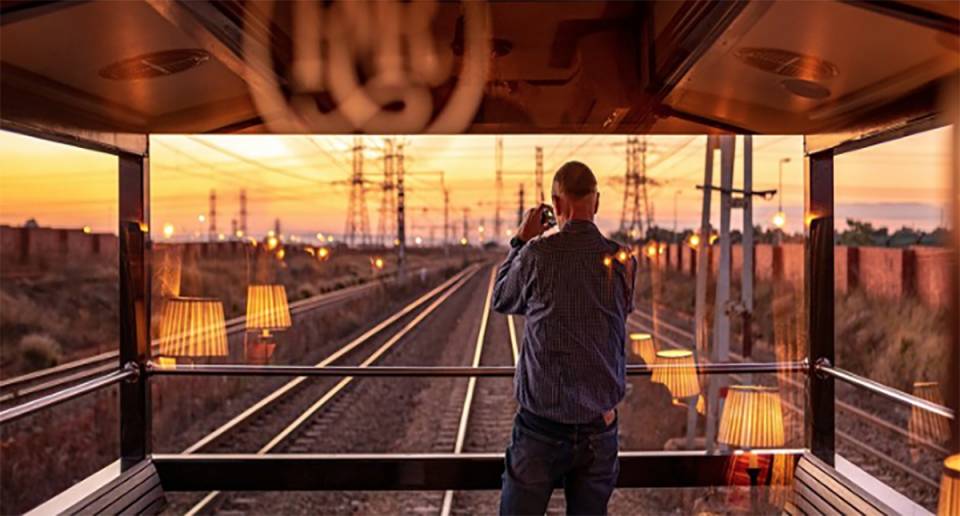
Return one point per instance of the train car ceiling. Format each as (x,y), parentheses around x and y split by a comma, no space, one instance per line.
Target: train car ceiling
(554,67)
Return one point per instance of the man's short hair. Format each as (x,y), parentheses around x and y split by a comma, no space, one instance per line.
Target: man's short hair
(575,180)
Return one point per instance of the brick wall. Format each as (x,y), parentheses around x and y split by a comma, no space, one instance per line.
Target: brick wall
(932,273)
(883,272)
(20,245)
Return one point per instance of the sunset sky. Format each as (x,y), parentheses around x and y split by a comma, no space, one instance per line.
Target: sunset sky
(301,180)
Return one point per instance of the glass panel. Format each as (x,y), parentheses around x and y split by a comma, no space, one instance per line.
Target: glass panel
(58,313)
(50,450)
(296,189)
(893,262)
(668,282)
(58,223)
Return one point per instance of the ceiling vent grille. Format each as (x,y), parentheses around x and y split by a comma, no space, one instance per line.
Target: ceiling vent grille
(155,64)
(787,63)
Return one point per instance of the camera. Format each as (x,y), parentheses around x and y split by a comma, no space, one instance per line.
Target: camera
(547,217)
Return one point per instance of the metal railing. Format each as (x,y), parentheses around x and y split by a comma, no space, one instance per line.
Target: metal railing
(824,367)
(129,371)
(435,371)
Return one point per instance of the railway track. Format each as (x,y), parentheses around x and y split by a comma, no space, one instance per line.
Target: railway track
(335,415)
(912,470)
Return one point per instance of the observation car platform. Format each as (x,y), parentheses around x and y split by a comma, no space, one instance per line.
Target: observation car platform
(847,75)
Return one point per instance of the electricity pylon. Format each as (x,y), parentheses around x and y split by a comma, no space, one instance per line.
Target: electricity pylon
(357,221)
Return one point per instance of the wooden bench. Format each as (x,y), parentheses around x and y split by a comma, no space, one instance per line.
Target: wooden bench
(135,491)
(820,489)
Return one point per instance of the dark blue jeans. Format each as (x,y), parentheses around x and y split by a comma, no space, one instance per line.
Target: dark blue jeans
(542,454)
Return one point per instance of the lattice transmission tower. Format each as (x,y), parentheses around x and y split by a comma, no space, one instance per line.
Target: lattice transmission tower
(388,200)
(358,224)
(635,212)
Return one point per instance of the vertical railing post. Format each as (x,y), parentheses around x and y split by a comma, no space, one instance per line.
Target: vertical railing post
(952,108)
(819,302)
(135,424)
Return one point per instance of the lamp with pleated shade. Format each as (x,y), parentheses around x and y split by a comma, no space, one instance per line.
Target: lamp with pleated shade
(949,504)
(192,327)
(267,310)
(923,424)
(752,418)
(681,376)
(641,344)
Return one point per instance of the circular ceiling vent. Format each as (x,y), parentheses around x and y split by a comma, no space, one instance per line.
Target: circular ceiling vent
(155,64)
(787,63)
(806,89)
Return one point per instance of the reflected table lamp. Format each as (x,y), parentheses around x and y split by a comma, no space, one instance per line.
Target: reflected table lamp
(681,375)
(949,504)
(925,425)
(267,310)
(752,418)
(641,344)
(191,327)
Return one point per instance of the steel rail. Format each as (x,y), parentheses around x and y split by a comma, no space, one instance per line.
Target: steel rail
(447,504)
(25,409)
(285,389)
(449,287)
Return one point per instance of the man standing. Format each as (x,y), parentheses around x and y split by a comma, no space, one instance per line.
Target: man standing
(575,289)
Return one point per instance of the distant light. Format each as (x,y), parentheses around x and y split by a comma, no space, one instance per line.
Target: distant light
(396,241)
(87,229)
(509,232)
(622,256)
(480,229)
(320,237)
(463,241)
(310,251)
(378,262)
(662,249)
(271,233)
(779,219)
(272,243)
(281,253)
(330,238)
(418,240)
(714,238)
(694,241)
(202,218)
(652,250)
(239,233)
(607,261)
(221,237)
(168,230)
(323,253)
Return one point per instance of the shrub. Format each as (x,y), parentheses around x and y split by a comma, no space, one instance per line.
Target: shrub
(39,351)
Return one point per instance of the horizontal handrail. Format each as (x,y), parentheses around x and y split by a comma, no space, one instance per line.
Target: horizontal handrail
(883,390)
(397,371)
(25,409)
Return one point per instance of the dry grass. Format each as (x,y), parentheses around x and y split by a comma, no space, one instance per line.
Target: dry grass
(895,342)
